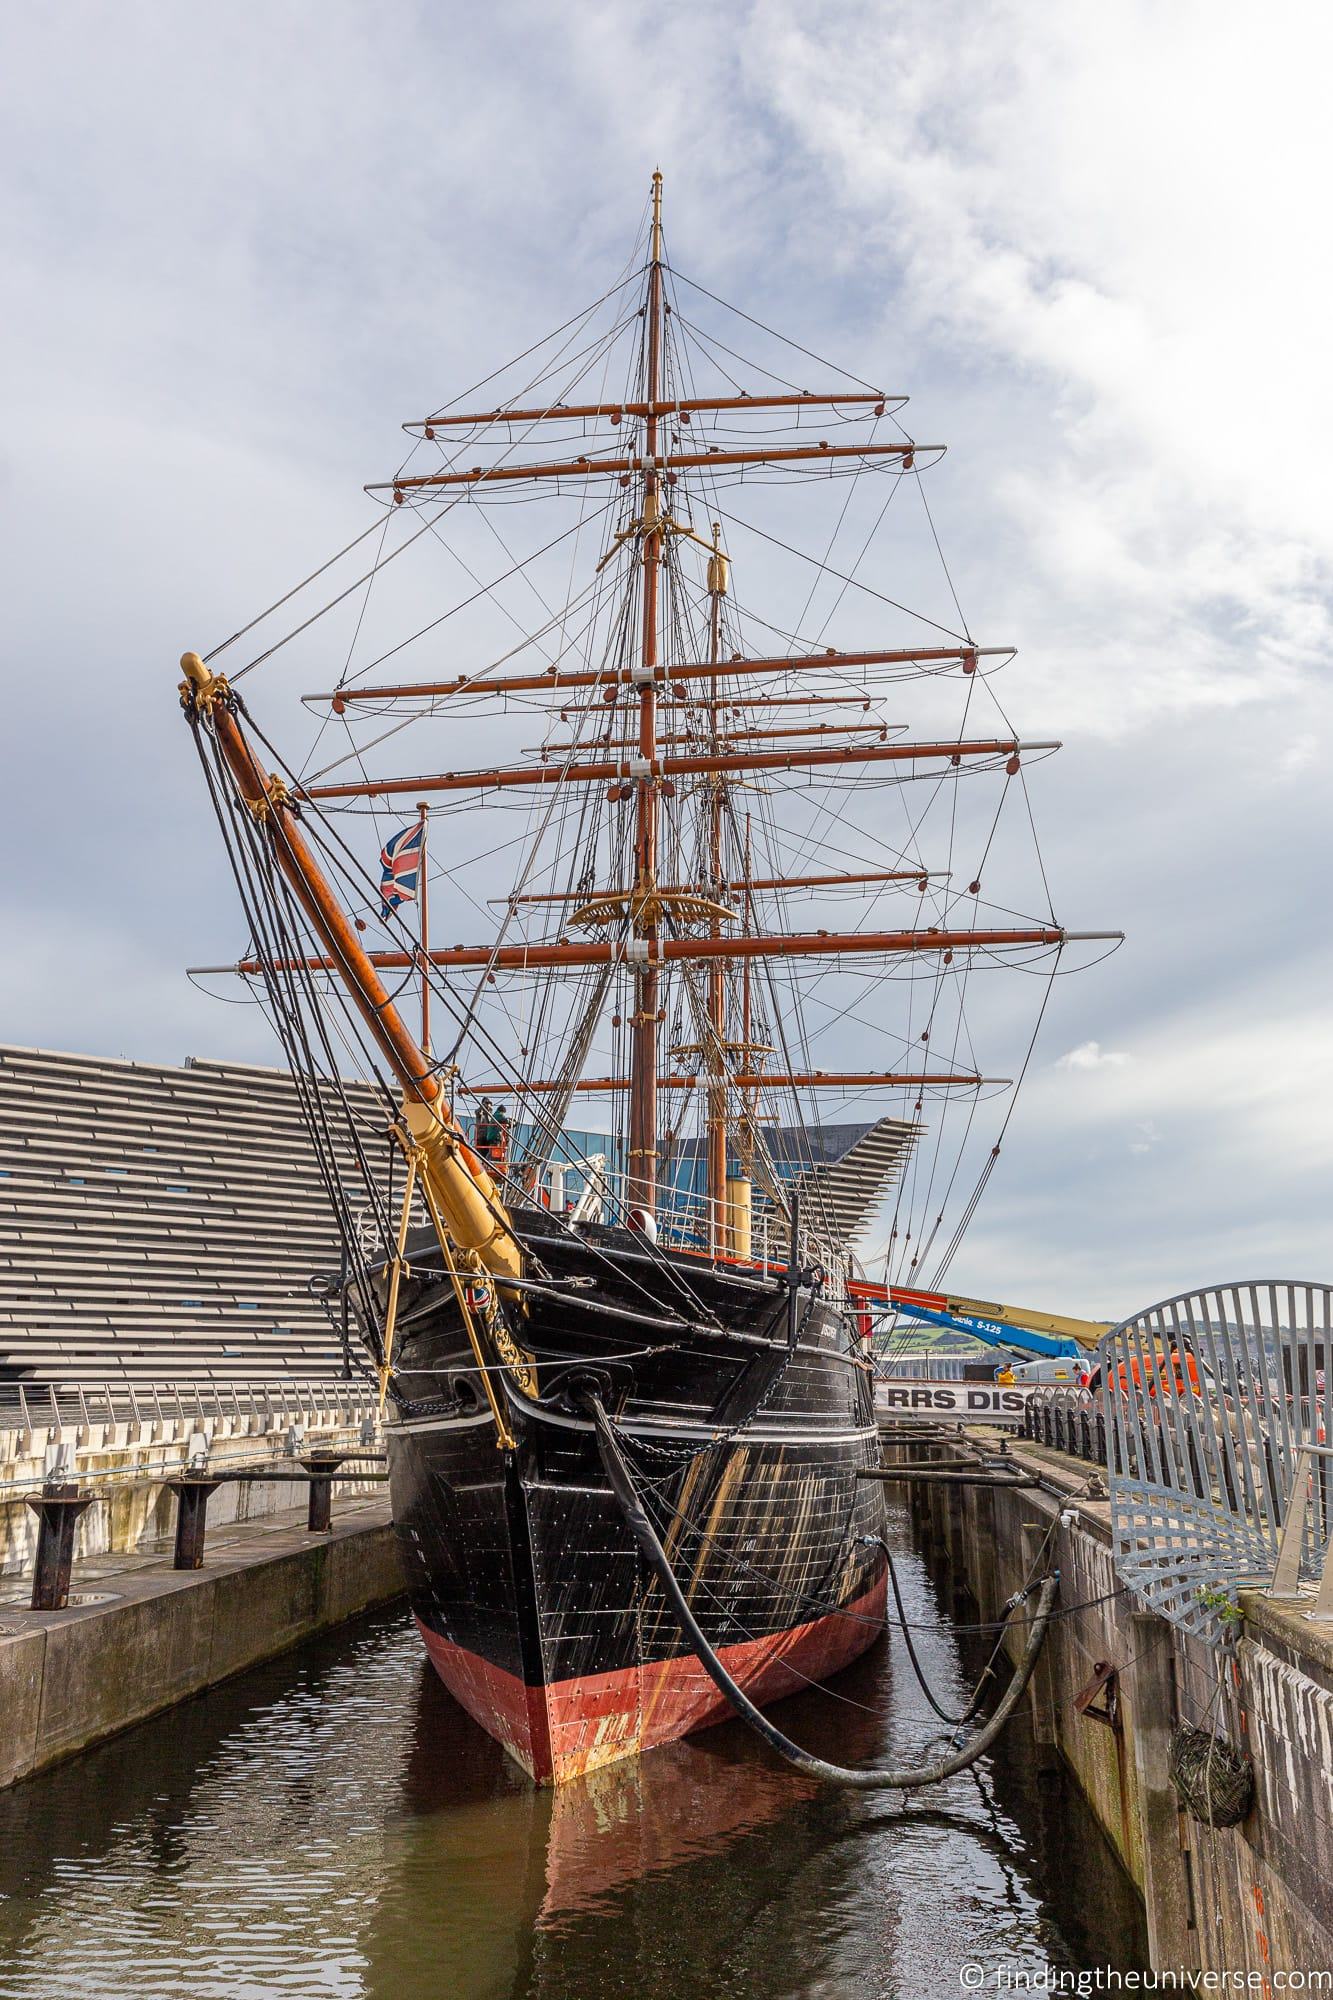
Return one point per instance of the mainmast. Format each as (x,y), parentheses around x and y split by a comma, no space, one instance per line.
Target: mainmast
(642,1162)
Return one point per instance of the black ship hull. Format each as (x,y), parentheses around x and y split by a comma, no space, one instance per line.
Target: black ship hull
(747,1424)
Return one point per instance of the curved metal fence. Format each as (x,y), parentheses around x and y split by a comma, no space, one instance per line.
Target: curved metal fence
(1218,1406)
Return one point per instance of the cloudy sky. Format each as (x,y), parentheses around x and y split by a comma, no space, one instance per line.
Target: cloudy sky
(241,244)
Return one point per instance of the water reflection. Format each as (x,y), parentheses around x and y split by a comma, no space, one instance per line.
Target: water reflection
(334,1825)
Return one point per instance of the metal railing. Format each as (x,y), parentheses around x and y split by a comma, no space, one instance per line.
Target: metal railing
(1067,1419)
(1220,1403)
(121,1434)
(67,1451)
(32,1408)
(589,1189)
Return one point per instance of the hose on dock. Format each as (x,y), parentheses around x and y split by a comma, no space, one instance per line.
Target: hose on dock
(872,1779)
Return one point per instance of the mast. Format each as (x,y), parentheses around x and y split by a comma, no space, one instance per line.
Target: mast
(715,1062)
(747,1053)
(423,904)
(641,1184)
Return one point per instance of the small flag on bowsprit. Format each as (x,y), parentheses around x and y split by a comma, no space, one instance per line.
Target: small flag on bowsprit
(400,858)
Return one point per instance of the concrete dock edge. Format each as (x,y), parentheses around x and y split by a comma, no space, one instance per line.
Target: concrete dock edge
(69,1679)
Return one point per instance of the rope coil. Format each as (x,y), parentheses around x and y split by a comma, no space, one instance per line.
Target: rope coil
(1214,1781)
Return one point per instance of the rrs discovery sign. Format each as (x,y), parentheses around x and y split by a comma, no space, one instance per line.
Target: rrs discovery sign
(957,1402)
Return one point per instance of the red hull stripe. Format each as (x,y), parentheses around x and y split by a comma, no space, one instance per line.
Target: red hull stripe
(566,1728)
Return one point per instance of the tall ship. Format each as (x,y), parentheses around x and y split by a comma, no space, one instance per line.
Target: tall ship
(717,875)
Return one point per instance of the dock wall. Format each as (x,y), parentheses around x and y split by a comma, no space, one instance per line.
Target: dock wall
(1254,1898)
(68,1679)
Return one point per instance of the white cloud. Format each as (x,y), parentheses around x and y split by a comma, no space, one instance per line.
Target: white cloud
(1146,1136)
(1091,1055)
(245,243)
(1299,754)
(1060,198)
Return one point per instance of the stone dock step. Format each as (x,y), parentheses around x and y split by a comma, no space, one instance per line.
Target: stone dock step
(146,1635)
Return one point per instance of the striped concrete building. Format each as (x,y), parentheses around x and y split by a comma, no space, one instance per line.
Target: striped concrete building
(160,1225)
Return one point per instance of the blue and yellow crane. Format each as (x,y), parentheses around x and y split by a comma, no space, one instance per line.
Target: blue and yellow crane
(1016,1329)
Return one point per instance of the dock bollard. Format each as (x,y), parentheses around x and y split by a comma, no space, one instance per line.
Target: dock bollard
(57,1510)
(319,1520)
(192,1497)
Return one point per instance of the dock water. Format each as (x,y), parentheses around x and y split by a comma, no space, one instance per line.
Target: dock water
(139,1636)
(331,1824)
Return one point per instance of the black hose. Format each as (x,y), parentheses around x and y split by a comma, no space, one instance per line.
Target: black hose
(954,1721)
(636,1517)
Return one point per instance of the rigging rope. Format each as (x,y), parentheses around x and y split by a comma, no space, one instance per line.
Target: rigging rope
(576,825)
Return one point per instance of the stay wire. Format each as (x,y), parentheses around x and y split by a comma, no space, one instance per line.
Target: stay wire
(382,561)
(295,591)
(682,278)
(251,906)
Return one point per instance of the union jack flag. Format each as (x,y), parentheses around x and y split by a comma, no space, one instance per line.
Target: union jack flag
(400,859)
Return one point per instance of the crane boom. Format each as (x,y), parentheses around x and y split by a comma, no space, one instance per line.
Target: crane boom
(1014,1337)
(1017,1326)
